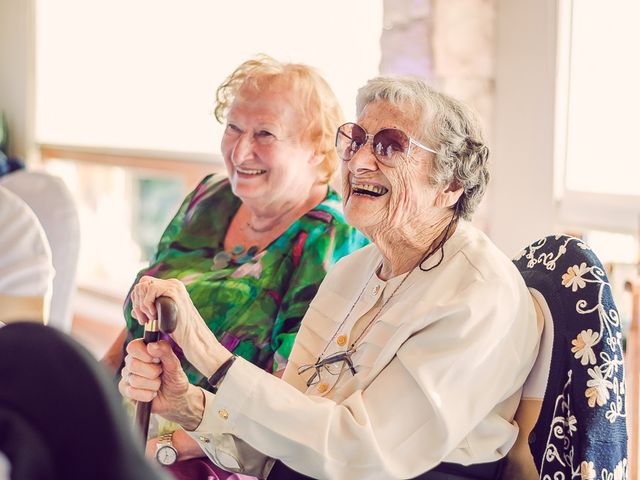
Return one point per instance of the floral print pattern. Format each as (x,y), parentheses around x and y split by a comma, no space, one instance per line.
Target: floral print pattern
(574,277)
(598,388)
(587,471)
(583,346)
(581,431)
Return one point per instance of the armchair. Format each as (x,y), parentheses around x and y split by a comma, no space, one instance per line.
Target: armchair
(573,412)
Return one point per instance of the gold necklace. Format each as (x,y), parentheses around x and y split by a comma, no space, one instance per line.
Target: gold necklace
(278,220)
(263,229)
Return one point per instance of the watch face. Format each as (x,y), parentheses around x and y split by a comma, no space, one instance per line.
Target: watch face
(166,455)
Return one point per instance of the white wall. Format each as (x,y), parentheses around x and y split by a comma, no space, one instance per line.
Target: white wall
(522,197)
(17,60)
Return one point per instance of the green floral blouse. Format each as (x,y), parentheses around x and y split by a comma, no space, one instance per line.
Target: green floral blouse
(252,303)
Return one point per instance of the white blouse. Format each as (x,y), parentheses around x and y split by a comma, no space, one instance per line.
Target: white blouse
(439,372)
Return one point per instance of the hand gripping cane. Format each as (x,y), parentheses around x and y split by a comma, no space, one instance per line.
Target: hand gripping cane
(167,313)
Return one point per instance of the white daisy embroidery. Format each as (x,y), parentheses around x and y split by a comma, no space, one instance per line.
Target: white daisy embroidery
(573,278)
(598,391)
(587,471)
(583,346)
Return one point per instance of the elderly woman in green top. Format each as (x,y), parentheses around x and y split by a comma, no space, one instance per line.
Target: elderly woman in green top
(252,247)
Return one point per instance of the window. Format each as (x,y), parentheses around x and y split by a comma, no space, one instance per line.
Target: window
(123,210)
(142,74)
(599,166)
(598,115)
(135,82)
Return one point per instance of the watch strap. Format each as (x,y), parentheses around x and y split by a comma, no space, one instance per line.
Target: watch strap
(165,439)
(165,442)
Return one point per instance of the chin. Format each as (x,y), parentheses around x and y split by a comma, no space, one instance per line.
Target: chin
(362,220)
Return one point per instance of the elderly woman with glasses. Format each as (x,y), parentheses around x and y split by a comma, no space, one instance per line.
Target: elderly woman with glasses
(412,356)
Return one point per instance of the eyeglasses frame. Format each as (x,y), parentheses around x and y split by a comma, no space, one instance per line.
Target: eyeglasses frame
(328,360)
(368,136)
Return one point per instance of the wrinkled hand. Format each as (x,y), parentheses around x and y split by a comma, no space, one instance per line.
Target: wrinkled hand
(152,373)
(143,309)
(199,344)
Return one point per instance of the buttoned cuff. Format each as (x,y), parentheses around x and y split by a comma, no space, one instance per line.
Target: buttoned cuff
(221,410)
(208,417)
(216,432)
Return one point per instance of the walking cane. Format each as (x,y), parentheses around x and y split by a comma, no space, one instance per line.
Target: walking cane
(167,313)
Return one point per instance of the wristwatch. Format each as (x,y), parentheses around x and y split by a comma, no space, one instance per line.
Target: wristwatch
(166,454)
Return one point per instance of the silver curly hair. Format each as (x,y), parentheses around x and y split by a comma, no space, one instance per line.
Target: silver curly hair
(447,126)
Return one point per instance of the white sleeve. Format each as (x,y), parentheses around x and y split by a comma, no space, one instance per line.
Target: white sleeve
(441,384)
(26,271)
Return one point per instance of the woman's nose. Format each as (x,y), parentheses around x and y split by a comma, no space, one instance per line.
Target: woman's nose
(243,148)
(363,160)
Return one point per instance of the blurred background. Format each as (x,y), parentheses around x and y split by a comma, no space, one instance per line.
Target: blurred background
(116,99)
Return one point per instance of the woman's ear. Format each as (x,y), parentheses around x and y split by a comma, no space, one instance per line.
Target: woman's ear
(449,196)
(316,159)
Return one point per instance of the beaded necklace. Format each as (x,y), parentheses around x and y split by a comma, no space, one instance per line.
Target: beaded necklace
(238,256)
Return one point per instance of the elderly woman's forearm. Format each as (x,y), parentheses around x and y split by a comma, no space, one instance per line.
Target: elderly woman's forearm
(191,409)
(202,349)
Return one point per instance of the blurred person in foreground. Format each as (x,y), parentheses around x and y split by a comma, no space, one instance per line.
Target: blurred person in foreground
(411,359)
(68,424)
(252,247)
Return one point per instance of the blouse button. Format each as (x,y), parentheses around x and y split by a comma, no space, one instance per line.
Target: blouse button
(223,414)
(323,387)
(342,340)
(375,290)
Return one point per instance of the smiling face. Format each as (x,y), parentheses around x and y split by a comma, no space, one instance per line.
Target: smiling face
(390,202)
(266,159)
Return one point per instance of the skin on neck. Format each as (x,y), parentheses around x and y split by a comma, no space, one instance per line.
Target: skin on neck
(262,216)
(401,251)
(269,222)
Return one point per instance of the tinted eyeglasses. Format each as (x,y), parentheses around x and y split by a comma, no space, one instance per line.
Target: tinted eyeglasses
(331,364)
(390,145)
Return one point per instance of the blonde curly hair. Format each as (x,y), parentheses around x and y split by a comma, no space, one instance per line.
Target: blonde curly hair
(317,102)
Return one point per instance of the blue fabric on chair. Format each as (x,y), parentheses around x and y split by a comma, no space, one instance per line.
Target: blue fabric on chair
(581,431)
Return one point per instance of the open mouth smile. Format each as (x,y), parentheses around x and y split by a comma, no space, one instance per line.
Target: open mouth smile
(366,189)
(250,171)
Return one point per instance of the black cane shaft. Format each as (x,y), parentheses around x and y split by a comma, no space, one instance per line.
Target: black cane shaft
(167,314)
(143,414)
(143,409)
